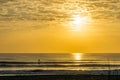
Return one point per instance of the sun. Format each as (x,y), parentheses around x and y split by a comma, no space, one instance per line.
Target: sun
(78,23)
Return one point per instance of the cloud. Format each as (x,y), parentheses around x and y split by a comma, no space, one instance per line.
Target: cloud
(58,9)
(4,1)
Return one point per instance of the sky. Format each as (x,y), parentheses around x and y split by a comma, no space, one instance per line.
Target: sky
(59,26)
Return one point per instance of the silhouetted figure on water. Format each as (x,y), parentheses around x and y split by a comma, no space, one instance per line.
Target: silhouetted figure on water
(38,61)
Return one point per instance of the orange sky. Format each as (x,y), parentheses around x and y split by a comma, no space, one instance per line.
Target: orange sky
(67,26)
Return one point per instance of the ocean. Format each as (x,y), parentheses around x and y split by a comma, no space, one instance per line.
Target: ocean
(59,63)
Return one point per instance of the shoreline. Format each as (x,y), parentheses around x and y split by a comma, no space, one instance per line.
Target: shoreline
(58,72)
(62,77)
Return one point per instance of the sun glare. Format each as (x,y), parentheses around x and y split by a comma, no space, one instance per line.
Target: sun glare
(78,23)
(77,56)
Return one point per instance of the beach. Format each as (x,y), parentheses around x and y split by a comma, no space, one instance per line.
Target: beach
(59,66)
(59,39)
(62,77)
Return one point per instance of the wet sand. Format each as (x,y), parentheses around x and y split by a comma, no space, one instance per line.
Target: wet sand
(62,77)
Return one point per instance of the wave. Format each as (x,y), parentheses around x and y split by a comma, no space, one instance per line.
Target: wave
(57,64)
(58,72)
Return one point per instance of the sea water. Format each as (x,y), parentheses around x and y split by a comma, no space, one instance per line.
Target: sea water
(47,63)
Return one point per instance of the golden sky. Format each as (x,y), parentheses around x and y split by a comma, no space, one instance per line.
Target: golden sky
(43,26)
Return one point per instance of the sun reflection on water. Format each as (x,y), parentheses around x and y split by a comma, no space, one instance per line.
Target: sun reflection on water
(77,56)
